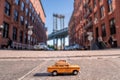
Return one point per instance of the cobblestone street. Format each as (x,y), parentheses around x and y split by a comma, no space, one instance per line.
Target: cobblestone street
(27,65)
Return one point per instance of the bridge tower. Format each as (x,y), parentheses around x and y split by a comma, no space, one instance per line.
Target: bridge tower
(58,24)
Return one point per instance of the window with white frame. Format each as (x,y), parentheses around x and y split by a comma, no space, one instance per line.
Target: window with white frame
(110,7)
(112,26)
(7,8)
(17,2)
(22,6)
(26,11)
(22,20)
(27,1)
(14,33)
(5,30)
(21,36)
(102,11)
(103,30)
(15,15)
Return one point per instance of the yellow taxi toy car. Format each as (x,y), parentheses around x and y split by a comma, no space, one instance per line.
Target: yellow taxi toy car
(63,67)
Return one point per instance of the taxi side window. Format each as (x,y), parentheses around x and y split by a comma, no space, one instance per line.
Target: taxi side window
(66,65)
(61,65)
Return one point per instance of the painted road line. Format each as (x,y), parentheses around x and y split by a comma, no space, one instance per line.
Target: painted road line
(32,70)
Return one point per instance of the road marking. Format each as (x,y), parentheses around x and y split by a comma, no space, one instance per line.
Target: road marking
(32,70)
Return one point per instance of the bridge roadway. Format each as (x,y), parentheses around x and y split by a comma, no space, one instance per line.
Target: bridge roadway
(58,34)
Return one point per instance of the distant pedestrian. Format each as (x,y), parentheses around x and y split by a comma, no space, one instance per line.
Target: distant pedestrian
(9,44)
(100,42)
(110,41)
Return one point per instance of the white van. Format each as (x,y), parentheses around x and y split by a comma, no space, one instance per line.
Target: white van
(41,46)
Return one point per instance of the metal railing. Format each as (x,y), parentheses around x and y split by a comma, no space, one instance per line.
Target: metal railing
(57,33)
(88,25)
(89,11)
(16,45)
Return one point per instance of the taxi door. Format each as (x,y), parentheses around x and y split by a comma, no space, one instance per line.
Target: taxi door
(67,69)
(61,69)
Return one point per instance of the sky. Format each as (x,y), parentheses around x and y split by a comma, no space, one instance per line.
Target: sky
(64,7)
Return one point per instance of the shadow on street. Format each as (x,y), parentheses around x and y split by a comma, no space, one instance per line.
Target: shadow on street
(41,74)
(49,74)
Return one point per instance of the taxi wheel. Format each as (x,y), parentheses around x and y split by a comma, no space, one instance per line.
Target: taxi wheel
(54,73)
(75,72)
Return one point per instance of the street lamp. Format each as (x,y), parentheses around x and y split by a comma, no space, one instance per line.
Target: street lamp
(90,38)
(1,28)
(30,32)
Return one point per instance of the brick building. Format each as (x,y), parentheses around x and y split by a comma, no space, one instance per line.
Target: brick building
(16,16)
(101,17)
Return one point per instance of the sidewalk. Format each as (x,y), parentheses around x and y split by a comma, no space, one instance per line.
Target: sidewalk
(4,54)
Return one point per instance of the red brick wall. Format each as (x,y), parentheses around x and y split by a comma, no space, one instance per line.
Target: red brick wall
(117,17)
(38,27)
(80,22)
(39,8)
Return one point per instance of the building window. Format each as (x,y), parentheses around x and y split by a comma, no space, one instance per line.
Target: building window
(21,20)
(30,15)
(7,8)
(21,36)
(14,33)
(15,15)
(110,7)
(33,19)
(25,38)
(102,11)
(30,40)
(103,30)
(30,6)
(94,4)
(97,33)
(100,0)
(5,30)
(33,10)
(26,23)
(96,17)
(27,1)
(17,2)
(22,6)
(26,11)
(112,26)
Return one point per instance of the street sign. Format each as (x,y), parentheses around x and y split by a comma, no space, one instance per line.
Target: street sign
(30,32)
(90,38)
(30,27)
(100,39)
(1,26)
(89,33)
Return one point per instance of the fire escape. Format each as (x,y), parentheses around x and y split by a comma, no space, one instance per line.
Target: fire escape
(88,27)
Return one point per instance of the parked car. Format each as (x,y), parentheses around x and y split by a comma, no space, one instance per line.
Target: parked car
(74,47)
(77,47)
(41,46)
(51,49)
(68,48)
(63,67)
